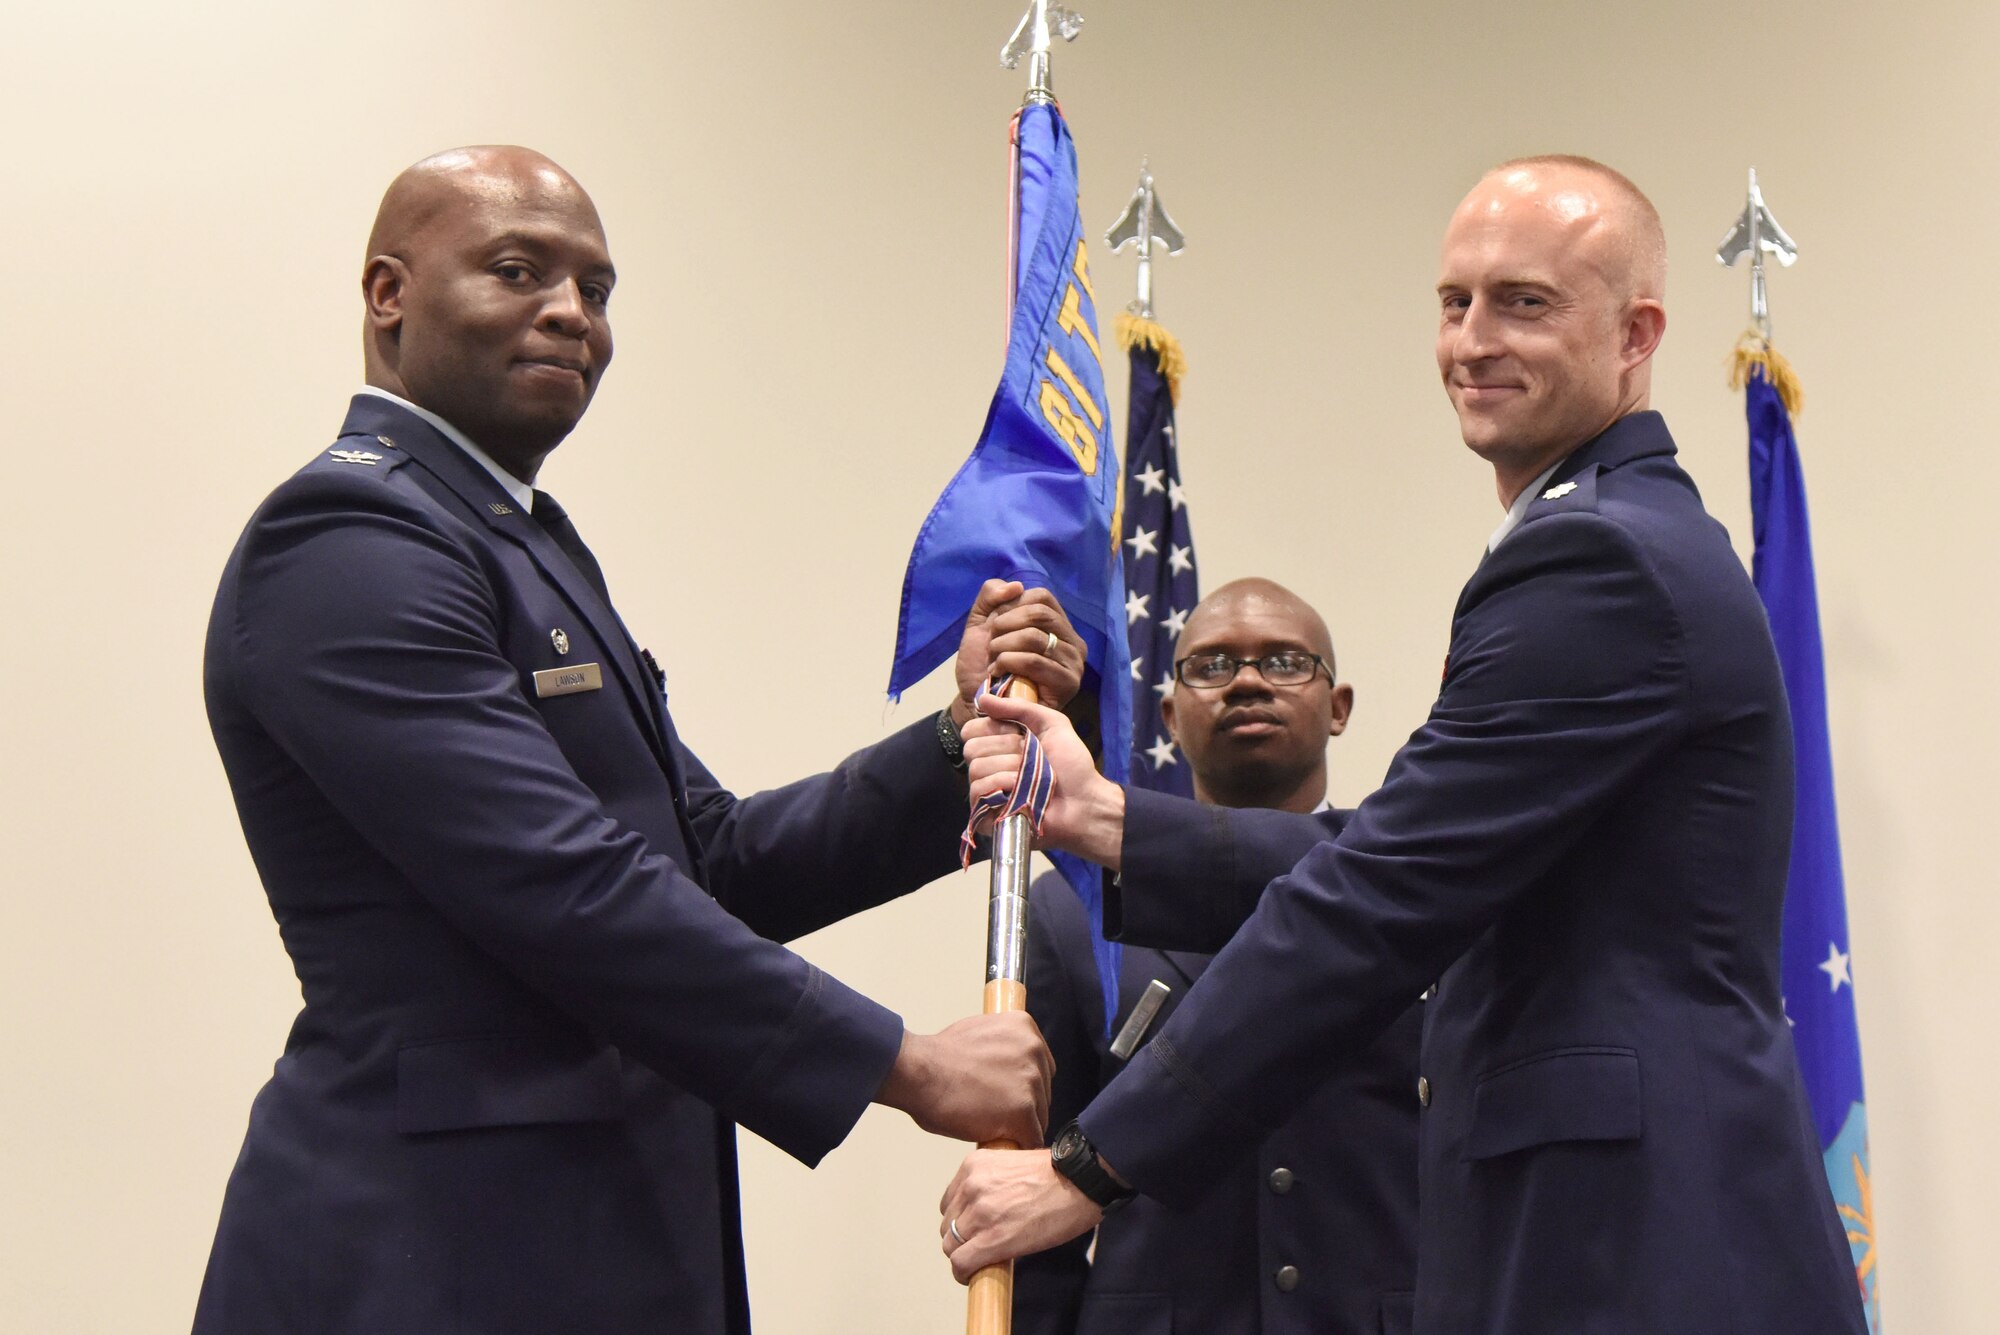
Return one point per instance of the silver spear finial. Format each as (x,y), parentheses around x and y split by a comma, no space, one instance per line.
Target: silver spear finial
(1045,19)
(1144,224)
(1757,234)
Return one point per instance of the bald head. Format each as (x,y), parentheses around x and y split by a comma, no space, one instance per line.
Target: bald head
(1550,309)
(1263,598)
(1622,220)
(487,282)
(443,184)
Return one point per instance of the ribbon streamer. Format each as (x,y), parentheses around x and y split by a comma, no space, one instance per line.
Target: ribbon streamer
(1031,797)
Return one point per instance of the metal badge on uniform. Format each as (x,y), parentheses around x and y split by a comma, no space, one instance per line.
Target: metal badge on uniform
(1141,1018)
(1557,493)
(560,639)
(355,457)
(500,507)
(569,680)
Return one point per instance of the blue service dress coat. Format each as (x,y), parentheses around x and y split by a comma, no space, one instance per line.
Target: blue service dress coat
(1314,1234)
(536,939)
(1586,846)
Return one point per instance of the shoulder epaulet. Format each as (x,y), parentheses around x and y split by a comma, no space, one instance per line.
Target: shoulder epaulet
(1577,494)
(359,450)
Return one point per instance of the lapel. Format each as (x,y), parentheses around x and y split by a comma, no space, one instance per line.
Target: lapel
(487,501)
(1188,965)
(1178,969)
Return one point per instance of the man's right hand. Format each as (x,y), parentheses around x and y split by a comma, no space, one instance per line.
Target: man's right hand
(984,1078)
(1086,812)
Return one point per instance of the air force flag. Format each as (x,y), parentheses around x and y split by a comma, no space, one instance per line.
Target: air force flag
(1817,970)
(1038,500)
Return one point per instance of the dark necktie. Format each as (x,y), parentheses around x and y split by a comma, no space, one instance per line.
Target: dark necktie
(556,522)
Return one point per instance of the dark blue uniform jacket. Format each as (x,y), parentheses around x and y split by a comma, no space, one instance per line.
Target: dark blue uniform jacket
(1586,845)
(536,938)
(1313,1234)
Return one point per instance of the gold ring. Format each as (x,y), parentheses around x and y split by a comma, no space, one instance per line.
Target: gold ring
(1049,650)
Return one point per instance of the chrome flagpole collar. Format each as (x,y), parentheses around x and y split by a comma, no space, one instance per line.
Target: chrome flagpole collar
(1007,902)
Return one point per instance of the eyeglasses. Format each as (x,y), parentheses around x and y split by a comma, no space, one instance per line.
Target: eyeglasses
(1211,672)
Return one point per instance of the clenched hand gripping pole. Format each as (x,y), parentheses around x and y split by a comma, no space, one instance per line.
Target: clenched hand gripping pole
(989,1308)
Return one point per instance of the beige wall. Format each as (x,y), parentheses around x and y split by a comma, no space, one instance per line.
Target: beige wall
(805,202)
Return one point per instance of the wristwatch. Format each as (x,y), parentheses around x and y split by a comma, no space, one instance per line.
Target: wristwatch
(1076,1159)
(948,739)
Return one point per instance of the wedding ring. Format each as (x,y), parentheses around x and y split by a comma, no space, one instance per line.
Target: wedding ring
(1049,651)
(953,1226)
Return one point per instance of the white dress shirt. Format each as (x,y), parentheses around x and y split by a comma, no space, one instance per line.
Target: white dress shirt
(1514,511)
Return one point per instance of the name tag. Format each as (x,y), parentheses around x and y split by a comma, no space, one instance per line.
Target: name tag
(1141,1018)
(569,680)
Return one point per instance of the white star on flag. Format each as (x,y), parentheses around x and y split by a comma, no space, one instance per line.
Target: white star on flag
(1835,968)
(1161,569)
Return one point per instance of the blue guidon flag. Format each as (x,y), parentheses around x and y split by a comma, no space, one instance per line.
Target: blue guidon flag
(1038,499)
(1817,966)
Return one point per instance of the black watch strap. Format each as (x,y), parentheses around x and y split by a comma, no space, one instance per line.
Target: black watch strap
(1076,1159)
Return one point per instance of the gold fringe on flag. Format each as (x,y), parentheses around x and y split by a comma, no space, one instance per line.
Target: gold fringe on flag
(1135,331)
(1754,350)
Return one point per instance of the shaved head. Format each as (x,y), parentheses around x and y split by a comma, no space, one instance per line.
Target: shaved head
(1550,308)
(1636,241)
(1259,595)
(487,282)
(437,186)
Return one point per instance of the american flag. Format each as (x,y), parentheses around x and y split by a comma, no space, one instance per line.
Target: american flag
(1161,586)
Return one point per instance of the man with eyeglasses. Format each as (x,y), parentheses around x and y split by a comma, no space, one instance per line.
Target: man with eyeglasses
(1317,1235)
(1583,847)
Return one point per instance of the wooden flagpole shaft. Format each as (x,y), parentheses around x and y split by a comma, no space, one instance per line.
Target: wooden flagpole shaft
(989,1303)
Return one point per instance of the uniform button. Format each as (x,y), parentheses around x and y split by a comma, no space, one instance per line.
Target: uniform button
(1423,1091)
(1286,1278)
(1281,1180)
